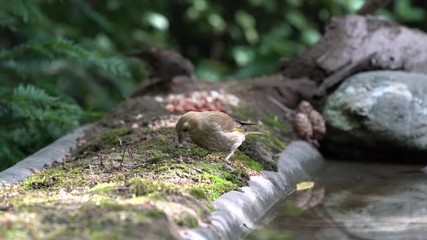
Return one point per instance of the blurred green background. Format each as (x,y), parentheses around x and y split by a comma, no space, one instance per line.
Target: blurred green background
(62,62)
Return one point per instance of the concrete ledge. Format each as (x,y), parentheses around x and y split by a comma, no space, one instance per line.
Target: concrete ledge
(55,152)
(237,213)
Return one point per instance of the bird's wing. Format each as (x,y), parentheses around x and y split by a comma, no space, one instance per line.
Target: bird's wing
(231,125)
(318,123)
(302,126)
(225,122)
(245,123)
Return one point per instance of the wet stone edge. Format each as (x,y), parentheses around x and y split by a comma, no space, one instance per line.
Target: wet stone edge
(238,212)
(54,152)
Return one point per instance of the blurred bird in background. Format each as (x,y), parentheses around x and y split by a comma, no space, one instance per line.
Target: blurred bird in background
(213,131)
(309,124)
(166,64)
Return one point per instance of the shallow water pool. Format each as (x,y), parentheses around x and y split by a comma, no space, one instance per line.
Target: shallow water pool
(354,200)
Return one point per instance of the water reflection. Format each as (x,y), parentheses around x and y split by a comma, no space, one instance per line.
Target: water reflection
(354,201)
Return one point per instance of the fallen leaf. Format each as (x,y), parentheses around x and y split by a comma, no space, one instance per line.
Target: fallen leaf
(304,186)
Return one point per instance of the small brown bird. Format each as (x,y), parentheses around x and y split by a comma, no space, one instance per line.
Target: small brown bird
(213,131)
(166,64)
(303,128)
(309,124)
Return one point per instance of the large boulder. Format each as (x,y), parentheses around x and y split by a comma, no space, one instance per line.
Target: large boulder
(378,114)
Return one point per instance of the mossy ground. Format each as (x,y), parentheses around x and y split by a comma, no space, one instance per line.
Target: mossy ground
(127,182)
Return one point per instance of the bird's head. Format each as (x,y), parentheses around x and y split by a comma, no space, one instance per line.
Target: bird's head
(180,66)
(304,107)
(166,63)
(186,125)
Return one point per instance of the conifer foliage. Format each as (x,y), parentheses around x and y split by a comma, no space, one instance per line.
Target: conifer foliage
(39,71)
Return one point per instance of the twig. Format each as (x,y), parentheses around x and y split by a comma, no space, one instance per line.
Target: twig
(289,113)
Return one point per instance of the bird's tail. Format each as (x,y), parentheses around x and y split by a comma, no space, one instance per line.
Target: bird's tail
(246,123)
(254,133)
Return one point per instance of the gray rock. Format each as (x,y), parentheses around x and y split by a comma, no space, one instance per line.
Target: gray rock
(378,113)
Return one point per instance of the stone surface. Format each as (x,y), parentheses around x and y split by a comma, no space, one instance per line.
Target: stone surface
(238,213)
(378,114)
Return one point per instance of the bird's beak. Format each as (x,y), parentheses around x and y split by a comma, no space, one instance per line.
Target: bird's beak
(181,140)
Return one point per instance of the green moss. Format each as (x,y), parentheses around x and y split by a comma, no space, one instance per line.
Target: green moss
(191,222)
(53,178)
(105,236)
(112,136)
(107,218)
(105,188)
(276,128)
(271,141)
(197,192)
(253,164)
(113,191)
(140,187)
(275,143)
(107,139)
(178,170)
(211,208)
(273,121)
(12,234)
(212,179)
(107,204)
(242,113)
(154,213)
(59,177)
(186,220)
(215,186)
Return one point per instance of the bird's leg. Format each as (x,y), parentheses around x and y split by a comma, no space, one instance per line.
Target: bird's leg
(227,161)
(179,145)
(229,156)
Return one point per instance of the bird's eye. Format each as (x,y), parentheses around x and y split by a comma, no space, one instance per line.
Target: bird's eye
(185,129)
